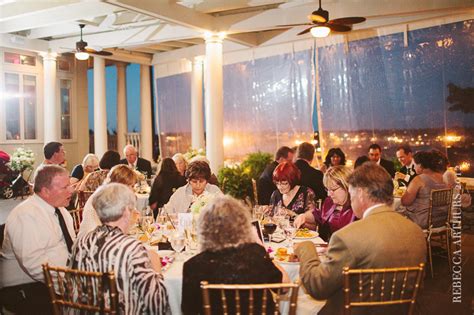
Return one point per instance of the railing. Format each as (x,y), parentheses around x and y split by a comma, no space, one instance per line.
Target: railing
(133,138)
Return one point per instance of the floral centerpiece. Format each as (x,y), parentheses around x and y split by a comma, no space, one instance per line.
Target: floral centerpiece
(200,202)
(194,152)
(22,159)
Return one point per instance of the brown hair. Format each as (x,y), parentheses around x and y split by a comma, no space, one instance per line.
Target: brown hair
(122,174)
(375,180)
(45,174)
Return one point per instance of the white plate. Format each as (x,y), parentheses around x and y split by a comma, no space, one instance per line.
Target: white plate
(164,253)
(287,262)
(315,234)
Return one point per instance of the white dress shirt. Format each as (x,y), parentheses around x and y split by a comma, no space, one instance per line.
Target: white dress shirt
(369,209)
(183,196)
(33,237)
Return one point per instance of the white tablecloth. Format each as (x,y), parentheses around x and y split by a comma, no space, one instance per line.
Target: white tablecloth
(174,279)
(142,201)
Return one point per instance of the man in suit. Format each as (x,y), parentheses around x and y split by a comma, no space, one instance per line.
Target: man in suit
(381,238)
(310,177)
(407,172)
(375,155)
(135,162)
(265,185)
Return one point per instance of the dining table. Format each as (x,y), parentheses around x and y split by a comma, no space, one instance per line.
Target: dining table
(173,280)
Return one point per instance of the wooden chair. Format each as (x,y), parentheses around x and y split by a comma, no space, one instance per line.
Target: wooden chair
(76,218)
(249,294)
(370,288)
(82,198)
(439,198)
(82,290)
(255,192)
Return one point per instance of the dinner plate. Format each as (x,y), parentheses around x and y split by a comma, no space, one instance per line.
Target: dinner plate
(287,262)
(165,253)
(314,234)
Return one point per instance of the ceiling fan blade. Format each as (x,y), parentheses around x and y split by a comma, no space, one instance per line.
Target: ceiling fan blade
(305,31)
(291,25)
(348,20)
(100,53)
(338,28)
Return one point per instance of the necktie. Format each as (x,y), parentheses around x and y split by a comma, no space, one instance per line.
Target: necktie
(63,226)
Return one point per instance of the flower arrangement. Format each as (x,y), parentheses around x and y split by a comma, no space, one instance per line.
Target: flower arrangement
(22,159)
(200,202)
(194,152)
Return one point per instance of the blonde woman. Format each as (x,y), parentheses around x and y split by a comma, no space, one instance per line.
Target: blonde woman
(181,163)
(121,174)
(336,211)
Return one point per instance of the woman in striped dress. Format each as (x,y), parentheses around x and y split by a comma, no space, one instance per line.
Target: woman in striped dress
(109,248)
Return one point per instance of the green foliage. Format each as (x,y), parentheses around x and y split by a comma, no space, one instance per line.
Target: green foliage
(255,163)
(235,181)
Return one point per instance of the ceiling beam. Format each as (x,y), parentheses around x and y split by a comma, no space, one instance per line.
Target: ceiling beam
(130,56)
(175,44)
(55,15)
(246,39)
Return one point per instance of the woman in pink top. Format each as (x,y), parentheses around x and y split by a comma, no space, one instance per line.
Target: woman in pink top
(336,211)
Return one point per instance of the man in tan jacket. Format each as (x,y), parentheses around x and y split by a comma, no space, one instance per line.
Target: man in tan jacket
(381,238)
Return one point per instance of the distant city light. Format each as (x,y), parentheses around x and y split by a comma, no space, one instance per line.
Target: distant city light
(465,166)
(453,138)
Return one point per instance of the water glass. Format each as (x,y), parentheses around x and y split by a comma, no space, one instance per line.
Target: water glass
(178,241)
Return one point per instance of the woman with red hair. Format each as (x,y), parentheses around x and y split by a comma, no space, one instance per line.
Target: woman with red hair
(289,193)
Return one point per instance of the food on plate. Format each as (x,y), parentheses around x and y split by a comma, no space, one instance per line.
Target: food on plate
(304,233)
(282,255)
(143,238)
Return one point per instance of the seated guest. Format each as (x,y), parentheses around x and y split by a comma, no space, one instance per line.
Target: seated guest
(336,211)
(334,157)
(213,179)
(265,185)
(165,184)
(39,230)
(381,238)
(95,179)
(197,175)
(360,160)
(229,254)
(181,163)
(289,194)
(121,174)
(310,177)
(407,172)
(108,248)
(375,155)
(135,162)
(54,153)
(89,164)
(430,167)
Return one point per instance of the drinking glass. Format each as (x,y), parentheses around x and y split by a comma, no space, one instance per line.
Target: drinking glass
(269,227)
(178,241)
(290,231)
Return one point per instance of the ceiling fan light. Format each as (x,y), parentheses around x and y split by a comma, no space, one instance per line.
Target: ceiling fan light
(320,31)
(81,55)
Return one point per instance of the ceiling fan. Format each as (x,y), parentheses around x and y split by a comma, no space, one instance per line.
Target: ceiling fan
(321,26)
(82,51)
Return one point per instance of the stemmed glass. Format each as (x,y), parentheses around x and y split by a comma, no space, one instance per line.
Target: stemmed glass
(269,227)
(290,231)
(178,241)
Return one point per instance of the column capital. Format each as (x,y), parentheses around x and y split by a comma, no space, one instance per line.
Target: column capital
(214,38)
(121,64)
(50,56)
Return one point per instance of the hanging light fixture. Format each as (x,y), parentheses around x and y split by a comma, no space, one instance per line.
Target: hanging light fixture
(81,55)
(320,31)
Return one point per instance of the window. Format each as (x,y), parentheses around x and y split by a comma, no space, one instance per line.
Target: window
(20,106)
(19,59)
(65,101)
(64,64)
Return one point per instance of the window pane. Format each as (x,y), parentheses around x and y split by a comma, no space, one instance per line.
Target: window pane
(64,65)
(12,106)
(19,59)
(65,95)
(29,92)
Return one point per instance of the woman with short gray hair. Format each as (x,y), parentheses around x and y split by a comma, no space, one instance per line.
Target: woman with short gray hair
(108,248)
(229,254)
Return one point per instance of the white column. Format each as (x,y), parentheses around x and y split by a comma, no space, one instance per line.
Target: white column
(146,130)
(122,128)
(214,103)
(197,115)
(100,115)
(52,112)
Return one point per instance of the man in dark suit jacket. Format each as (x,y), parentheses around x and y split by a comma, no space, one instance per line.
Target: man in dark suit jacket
(310,177)
(375,155)
(364,244)
(135,162)
(407,172)
(265,185)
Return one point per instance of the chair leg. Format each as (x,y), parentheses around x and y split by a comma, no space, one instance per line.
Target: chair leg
(448,247)
(430,258)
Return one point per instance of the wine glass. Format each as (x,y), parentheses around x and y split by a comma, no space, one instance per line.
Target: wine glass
(178,241)
(269,227)
(290,231)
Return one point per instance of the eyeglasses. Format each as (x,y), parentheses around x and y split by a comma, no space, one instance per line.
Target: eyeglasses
(333,190)
(282,183)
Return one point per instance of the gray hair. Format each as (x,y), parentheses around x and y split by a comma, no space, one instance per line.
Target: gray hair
(90,159)
(111,200)
(45,174)
(375,180)
(129,146)
(225,222)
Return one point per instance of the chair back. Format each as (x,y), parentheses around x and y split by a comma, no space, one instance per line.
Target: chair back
(381,287)
(255,192)
(91,292)
(248,298)
(440,198)
(82,198)
(76,218)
